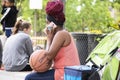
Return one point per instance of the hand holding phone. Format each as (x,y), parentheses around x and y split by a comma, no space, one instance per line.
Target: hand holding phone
(51,26)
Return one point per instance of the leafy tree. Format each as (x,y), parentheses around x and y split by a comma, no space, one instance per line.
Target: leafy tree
(30,14)
(81,15)
(91,15)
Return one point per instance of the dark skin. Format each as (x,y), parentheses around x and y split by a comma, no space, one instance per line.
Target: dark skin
(57,38)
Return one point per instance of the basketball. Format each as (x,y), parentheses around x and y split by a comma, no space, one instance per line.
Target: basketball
(39,61)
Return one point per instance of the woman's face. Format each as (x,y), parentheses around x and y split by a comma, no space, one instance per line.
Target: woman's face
(8,4)
(27,31)
(47,22)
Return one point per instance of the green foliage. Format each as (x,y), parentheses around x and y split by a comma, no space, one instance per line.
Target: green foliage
(92,15)
(1,32)
(81,15)
(33,15)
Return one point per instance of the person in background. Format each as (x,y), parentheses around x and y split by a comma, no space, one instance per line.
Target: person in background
(9,16)
(2,13)
(18,48)
(61,48)
(3,6)
(1,49)
(3,28)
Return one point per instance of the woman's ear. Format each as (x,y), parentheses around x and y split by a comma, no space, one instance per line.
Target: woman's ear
(24,29)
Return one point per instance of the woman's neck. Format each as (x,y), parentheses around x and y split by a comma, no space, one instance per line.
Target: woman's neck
(59,28)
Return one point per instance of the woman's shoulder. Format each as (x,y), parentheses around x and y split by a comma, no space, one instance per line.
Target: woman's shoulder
(22,35)
(63,32)
(64,35)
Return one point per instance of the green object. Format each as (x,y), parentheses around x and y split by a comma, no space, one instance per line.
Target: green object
(110,72)
(101,54)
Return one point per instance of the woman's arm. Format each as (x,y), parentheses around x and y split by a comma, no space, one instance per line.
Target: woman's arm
(5,14)
(29,46)
(56,39)
(57,43)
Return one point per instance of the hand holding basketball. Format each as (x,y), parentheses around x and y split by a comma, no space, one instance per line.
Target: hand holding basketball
(39,61)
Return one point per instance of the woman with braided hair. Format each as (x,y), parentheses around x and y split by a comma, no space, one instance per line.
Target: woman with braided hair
(61,48)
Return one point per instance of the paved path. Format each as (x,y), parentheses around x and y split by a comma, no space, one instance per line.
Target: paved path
(4,75)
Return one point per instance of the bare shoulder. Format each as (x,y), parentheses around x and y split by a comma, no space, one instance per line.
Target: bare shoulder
(64,36)
(63,33)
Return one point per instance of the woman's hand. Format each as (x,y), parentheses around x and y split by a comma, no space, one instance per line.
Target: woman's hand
(50,30)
